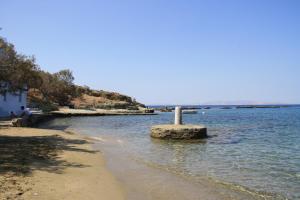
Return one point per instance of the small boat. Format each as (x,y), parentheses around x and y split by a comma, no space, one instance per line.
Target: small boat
(189,111)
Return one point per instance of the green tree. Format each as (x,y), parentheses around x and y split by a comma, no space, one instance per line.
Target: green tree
(16,70)
(58,87)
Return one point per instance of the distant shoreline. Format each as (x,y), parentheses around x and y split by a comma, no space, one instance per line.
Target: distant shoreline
(203,106)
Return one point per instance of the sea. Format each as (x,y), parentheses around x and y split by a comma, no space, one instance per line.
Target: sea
(251,153)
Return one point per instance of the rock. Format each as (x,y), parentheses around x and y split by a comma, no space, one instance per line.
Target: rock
(179,132)
(189,111)
(17,122)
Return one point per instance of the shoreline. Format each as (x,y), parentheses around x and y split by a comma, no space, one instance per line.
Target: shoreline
(52,164)
(147,181)
(93,168)
(98,112)
(136,175)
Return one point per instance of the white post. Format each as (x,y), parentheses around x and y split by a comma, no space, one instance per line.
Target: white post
(178,115)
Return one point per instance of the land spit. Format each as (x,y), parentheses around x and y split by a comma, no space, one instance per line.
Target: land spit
(98,112)
(66,112)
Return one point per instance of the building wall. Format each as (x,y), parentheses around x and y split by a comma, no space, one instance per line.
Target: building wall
(12,102)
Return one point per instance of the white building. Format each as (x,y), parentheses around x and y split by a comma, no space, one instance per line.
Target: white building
(12,102)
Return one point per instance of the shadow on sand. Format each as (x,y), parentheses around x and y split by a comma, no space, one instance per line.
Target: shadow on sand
(23,155)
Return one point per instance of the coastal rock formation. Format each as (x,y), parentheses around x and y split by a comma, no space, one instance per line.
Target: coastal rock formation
(189,111)
(85,98)
(66,112)
(105,100)
(179,132)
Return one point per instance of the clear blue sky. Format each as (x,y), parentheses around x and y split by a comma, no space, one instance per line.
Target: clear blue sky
(166,52)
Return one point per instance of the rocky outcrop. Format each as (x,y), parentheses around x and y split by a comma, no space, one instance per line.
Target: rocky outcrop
(179,132)
(87,101)
(31,121)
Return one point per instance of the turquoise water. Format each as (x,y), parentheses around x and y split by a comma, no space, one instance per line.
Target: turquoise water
(258,149)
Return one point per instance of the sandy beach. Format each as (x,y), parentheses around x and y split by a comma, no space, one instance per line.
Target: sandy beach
(50,164)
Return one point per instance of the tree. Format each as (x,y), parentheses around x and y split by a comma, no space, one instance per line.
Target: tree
(58,87)
(65,88)
(65,76)
(16,70)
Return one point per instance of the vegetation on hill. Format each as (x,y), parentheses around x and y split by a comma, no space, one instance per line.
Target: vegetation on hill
(16,69)
(103,100)
(48,91)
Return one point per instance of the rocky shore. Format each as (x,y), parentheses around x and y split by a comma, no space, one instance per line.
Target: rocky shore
(100,112)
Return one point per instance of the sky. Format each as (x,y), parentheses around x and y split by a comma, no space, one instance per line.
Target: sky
(166,52)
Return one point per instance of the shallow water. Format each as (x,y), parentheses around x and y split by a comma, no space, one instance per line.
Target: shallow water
(256,150)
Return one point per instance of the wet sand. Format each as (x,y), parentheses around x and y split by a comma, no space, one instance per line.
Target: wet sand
(49,164)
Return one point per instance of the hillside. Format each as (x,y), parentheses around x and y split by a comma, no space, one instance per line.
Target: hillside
(49,91)
(86,99)
(104,100)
